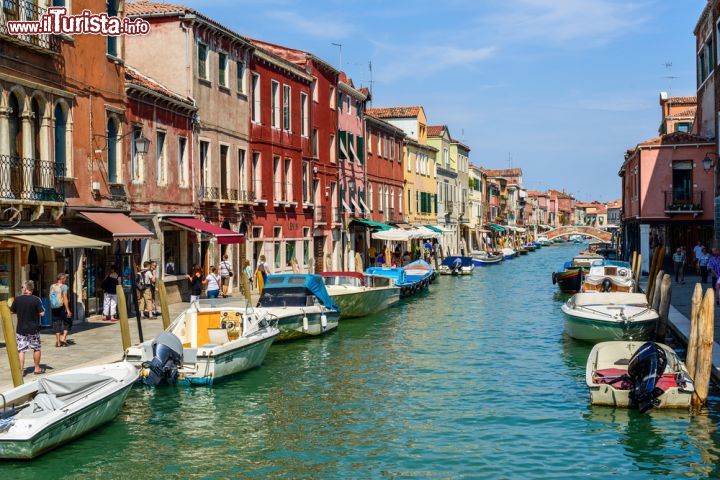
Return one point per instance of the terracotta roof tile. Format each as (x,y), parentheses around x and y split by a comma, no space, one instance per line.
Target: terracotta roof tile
(508,172)
(675,138)
(134,77)
(688,113)
(435,130)
(394,112)
(682,100)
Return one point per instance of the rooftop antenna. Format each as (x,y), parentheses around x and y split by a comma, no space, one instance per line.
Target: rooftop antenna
(669,77)
(372,82)
(339,45)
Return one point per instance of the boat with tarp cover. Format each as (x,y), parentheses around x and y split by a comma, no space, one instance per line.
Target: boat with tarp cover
(411,278)
(359,295)
(456,265)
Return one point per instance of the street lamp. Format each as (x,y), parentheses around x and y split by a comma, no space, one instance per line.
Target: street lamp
(142,143)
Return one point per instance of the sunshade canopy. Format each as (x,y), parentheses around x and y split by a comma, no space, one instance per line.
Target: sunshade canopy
(375,225)
(60,240)
(223,235)
(120,225)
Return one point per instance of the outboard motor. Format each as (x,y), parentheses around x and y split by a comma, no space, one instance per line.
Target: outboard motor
(646,367)
(167,359)
(606,285)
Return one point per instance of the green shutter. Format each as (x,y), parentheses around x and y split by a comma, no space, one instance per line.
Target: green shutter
(342,141)
(350,141)
(361,149)
(435,196)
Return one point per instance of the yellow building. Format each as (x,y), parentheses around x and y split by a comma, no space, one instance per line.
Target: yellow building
(420,162)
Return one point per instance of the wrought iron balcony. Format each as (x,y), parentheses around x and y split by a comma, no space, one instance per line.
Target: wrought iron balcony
(320,215)
(30,179)
(26,11)
(684,202)
(211,194)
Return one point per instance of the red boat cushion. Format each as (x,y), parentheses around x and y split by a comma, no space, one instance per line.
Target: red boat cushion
(607,375)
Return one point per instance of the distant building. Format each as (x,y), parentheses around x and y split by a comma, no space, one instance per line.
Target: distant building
(614,213)
(678,113)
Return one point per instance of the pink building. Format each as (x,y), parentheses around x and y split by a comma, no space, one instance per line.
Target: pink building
(667,194)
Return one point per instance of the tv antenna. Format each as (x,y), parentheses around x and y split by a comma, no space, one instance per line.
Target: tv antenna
(339,45)
(669,77)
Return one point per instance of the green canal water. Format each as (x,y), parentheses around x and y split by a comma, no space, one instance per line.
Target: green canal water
(472,380)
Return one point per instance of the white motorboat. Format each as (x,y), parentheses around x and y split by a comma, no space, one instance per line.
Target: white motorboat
(360,295)
(508,253)
(455,265)
(637,374)
(211,340)
(597,317)
(45,413)
(543,240)
(481,259)
(609,276)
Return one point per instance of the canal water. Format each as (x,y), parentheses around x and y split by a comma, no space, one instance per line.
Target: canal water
(472,380)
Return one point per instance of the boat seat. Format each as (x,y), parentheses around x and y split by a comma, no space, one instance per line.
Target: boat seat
(218,336)
(623,361)
(607,375)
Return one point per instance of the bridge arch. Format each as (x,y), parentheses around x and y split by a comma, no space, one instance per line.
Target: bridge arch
(602,235)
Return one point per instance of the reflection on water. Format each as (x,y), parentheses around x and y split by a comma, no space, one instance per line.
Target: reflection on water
(473,379)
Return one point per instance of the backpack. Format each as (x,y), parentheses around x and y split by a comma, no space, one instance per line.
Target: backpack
(56,299)
(140,280)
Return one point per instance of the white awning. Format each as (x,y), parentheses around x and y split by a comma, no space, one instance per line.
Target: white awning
(427,233)
(345,205)
(394,235)
(56,241)
(355,204)
(367,210)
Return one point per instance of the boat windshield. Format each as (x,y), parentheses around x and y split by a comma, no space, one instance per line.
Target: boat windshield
(288,297)
(344,281)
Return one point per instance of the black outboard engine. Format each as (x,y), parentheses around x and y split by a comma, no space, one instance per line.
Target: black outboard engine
(606,285)
(646,367)
(167,359)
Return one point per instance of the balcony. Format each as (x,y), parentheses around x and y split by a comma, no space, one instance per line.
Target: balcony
(211,194)
(678,203)
(320,215)
(26,11)
(30,179)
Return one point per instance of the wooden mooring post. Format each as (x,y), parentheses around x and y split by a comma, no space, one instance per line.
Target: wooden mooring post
(664,310)
(634,260)
(164,308)
(655,265)
(655,303)
(123,316)
(11,344)
(696,306)
(703,367)
(636,273)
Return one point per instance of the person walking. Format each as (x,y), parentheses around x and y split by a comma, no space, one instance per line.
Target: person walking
(703,260)
(248,272)
(372,254)
(60,310)
(213,282)
(263,268)
(153,288)
(109,286)
(697,252)
(196,283)
(144,284)
(226,274)
(714,267)
(678,261)
(28,309)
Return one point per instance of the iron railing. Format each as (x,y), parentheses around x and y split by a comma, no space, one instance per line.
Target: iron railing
(211,194)
(26,11)
(30,179)
(684,202)
(320,215)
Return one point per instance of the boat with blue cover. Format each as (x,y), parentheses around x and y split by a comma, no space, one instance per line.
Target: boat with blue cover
(411,278)
(456,265)
(482,259)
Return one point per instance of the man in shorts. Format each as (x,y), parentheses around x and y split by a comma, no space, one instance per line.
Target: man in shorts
(29,309)
(60,310)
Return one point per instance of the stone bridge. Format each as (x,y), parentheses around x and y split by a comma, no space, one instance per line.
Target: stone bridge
(601,235)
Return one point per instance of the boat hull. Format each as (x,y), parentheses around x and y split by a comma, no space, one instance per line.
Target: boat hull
(594,331)
(214,368)
(78,421)
(368,302)
(291,327)
(569,281)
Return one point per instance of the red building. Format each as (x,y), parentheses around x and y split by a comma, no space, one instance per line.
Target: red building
(159,182)
(383,173)
(327,230)
(281,155)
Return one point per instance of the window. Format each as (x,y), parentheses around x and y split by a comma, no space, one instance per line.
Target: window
(112,43)
(369,196)
(417,162)
(277,248)
(61,140)
(306,182)
(240,77)
(172,253)
(182,162)
(683,127)
(369,141)
(113,147)
(255,98)
(392,148)
(288,181)
(305,126)
(257,175)
(409,204)
(277,182)
(222,69)
(275,104)
(411,154)
(289,253)
(446,158)
(136,169)
(242,176)
(357,108)
(682,181)
(306,250)
(315,91)
(315,144)
(342,139)
(286,108)
(202,52)
(204,166)
(161,164)
(385,146)
(224,150)
(332,149)
(379,145)
(348,100)
(332,98)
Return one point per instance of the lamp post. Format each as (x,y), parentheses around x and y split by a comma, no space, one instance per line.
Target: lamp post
(709,163)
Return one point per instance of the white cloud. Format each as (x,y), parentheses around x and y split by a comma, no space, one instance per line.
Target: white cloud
(315,26)
(587,22)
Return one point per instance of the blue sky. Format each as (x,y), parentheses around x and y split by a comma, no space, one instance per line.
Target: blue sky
(560,88)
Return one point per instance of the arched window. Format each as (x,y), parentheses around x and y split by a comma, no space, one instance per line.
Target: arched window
(112,11)
(60,117)
(113,135)
(15,126)
(36,121)
(387,198)
(370,196)
(392,197)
